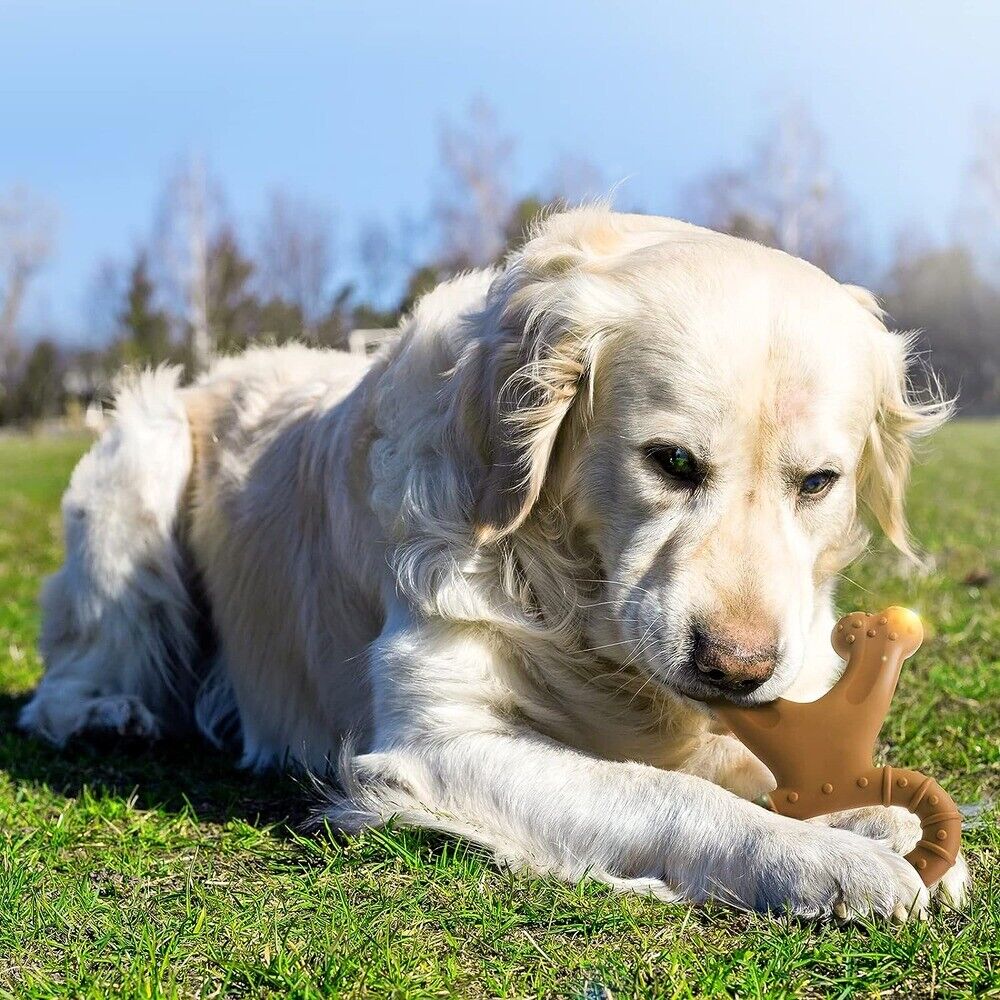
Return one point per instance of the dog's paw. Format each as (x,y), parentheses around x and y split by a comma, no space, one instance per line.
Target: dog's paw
(823,871)
(900,829)
(57,715)
(122,715)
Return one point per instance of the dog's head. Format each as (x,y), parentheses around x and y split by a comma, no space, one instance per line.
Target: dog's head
(708,415)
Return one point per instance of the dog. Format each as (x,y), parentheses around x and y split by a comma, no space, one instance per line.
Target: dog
(489,580)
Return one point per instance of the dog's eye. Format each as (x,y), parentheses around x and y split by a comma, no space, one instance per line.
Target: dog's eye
(817,483)
(677,462)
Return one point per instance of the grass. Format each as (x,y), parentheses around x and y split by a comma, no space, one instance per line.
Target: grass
(134,871)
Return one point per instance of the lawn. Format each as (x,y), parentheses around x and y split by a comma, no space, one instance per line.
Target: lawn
(135,871)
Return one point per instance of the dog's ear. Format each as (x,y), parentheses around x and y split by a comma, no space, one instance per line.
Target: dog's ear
(550,308)
(900,418)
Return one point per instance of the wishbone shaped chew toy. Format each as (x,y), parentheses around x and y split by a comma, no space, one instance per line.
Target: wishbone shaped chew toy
(820,752)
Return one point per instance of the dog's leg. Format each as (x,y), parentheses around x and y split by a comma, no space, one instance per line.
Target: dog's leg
(445,757)
(117,622)
(636,827)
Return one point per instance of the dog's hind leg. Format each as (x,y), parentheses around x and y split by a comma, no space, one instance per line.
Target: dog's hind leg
(118,631)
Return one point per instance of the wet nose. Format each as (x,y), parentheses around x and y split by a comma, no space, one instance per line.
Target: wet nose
(734,663)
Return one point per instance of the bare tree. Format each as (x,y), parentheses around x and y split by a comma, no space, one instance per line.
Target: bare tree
(296,255)
(191,211)
(27,235)
(785,195)
(474,203)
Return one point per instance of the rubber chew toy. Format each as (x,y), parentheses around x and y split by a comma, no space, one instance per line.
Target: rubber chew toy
(820,752)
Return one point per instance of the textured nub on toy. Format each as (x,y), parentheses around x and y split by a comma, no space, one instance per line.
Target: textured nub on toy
(820,752)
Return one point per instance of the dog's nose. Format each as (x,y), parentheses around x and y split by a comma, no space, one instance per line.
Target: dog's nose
(733,666)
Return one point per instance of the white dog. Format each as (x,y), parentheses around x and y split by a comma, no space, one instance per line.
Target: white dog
(490,578)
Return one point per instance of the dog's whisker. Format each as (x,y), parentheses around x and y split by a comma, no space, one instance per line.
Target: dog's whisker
(608,645)
(637,651)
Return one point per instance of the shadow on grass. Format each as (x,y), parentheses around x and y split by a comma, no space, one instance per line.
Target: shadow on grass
(170,775)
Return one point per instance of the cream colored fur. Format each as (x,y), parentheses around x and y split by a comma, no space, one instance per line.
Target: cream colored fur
(454,578)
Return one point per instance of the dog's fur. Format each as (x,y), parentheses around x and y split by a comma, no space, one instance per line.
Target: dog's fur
(456,577)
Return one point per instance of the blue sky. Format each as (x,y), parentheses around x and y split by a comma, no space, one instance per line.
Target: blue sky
(341,101)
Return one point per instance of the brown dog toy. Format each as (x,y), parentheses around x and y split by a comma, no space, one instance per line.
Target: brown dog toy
(820,752)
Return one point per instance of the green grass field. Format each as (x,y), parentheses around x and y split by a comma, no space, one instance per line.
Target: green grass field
(135,871)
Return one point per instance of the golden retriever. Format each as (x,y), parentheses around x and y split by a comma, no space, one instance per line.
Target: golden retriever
(490,579)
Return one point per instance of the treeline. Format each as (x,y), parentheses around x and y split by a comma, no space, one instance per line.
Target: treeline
(200,284)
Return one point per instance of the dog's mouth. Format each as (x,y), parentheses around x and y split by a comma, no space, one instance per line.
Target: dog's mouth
(706,695)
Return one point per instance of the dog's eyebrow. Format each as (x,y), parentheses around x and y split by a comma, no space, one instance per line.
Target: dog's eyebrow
(829,464)
(687,438)
(808,453)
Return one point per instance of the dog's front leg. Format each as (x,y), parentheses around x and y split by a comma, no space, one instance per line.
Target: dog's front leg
(448,755)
